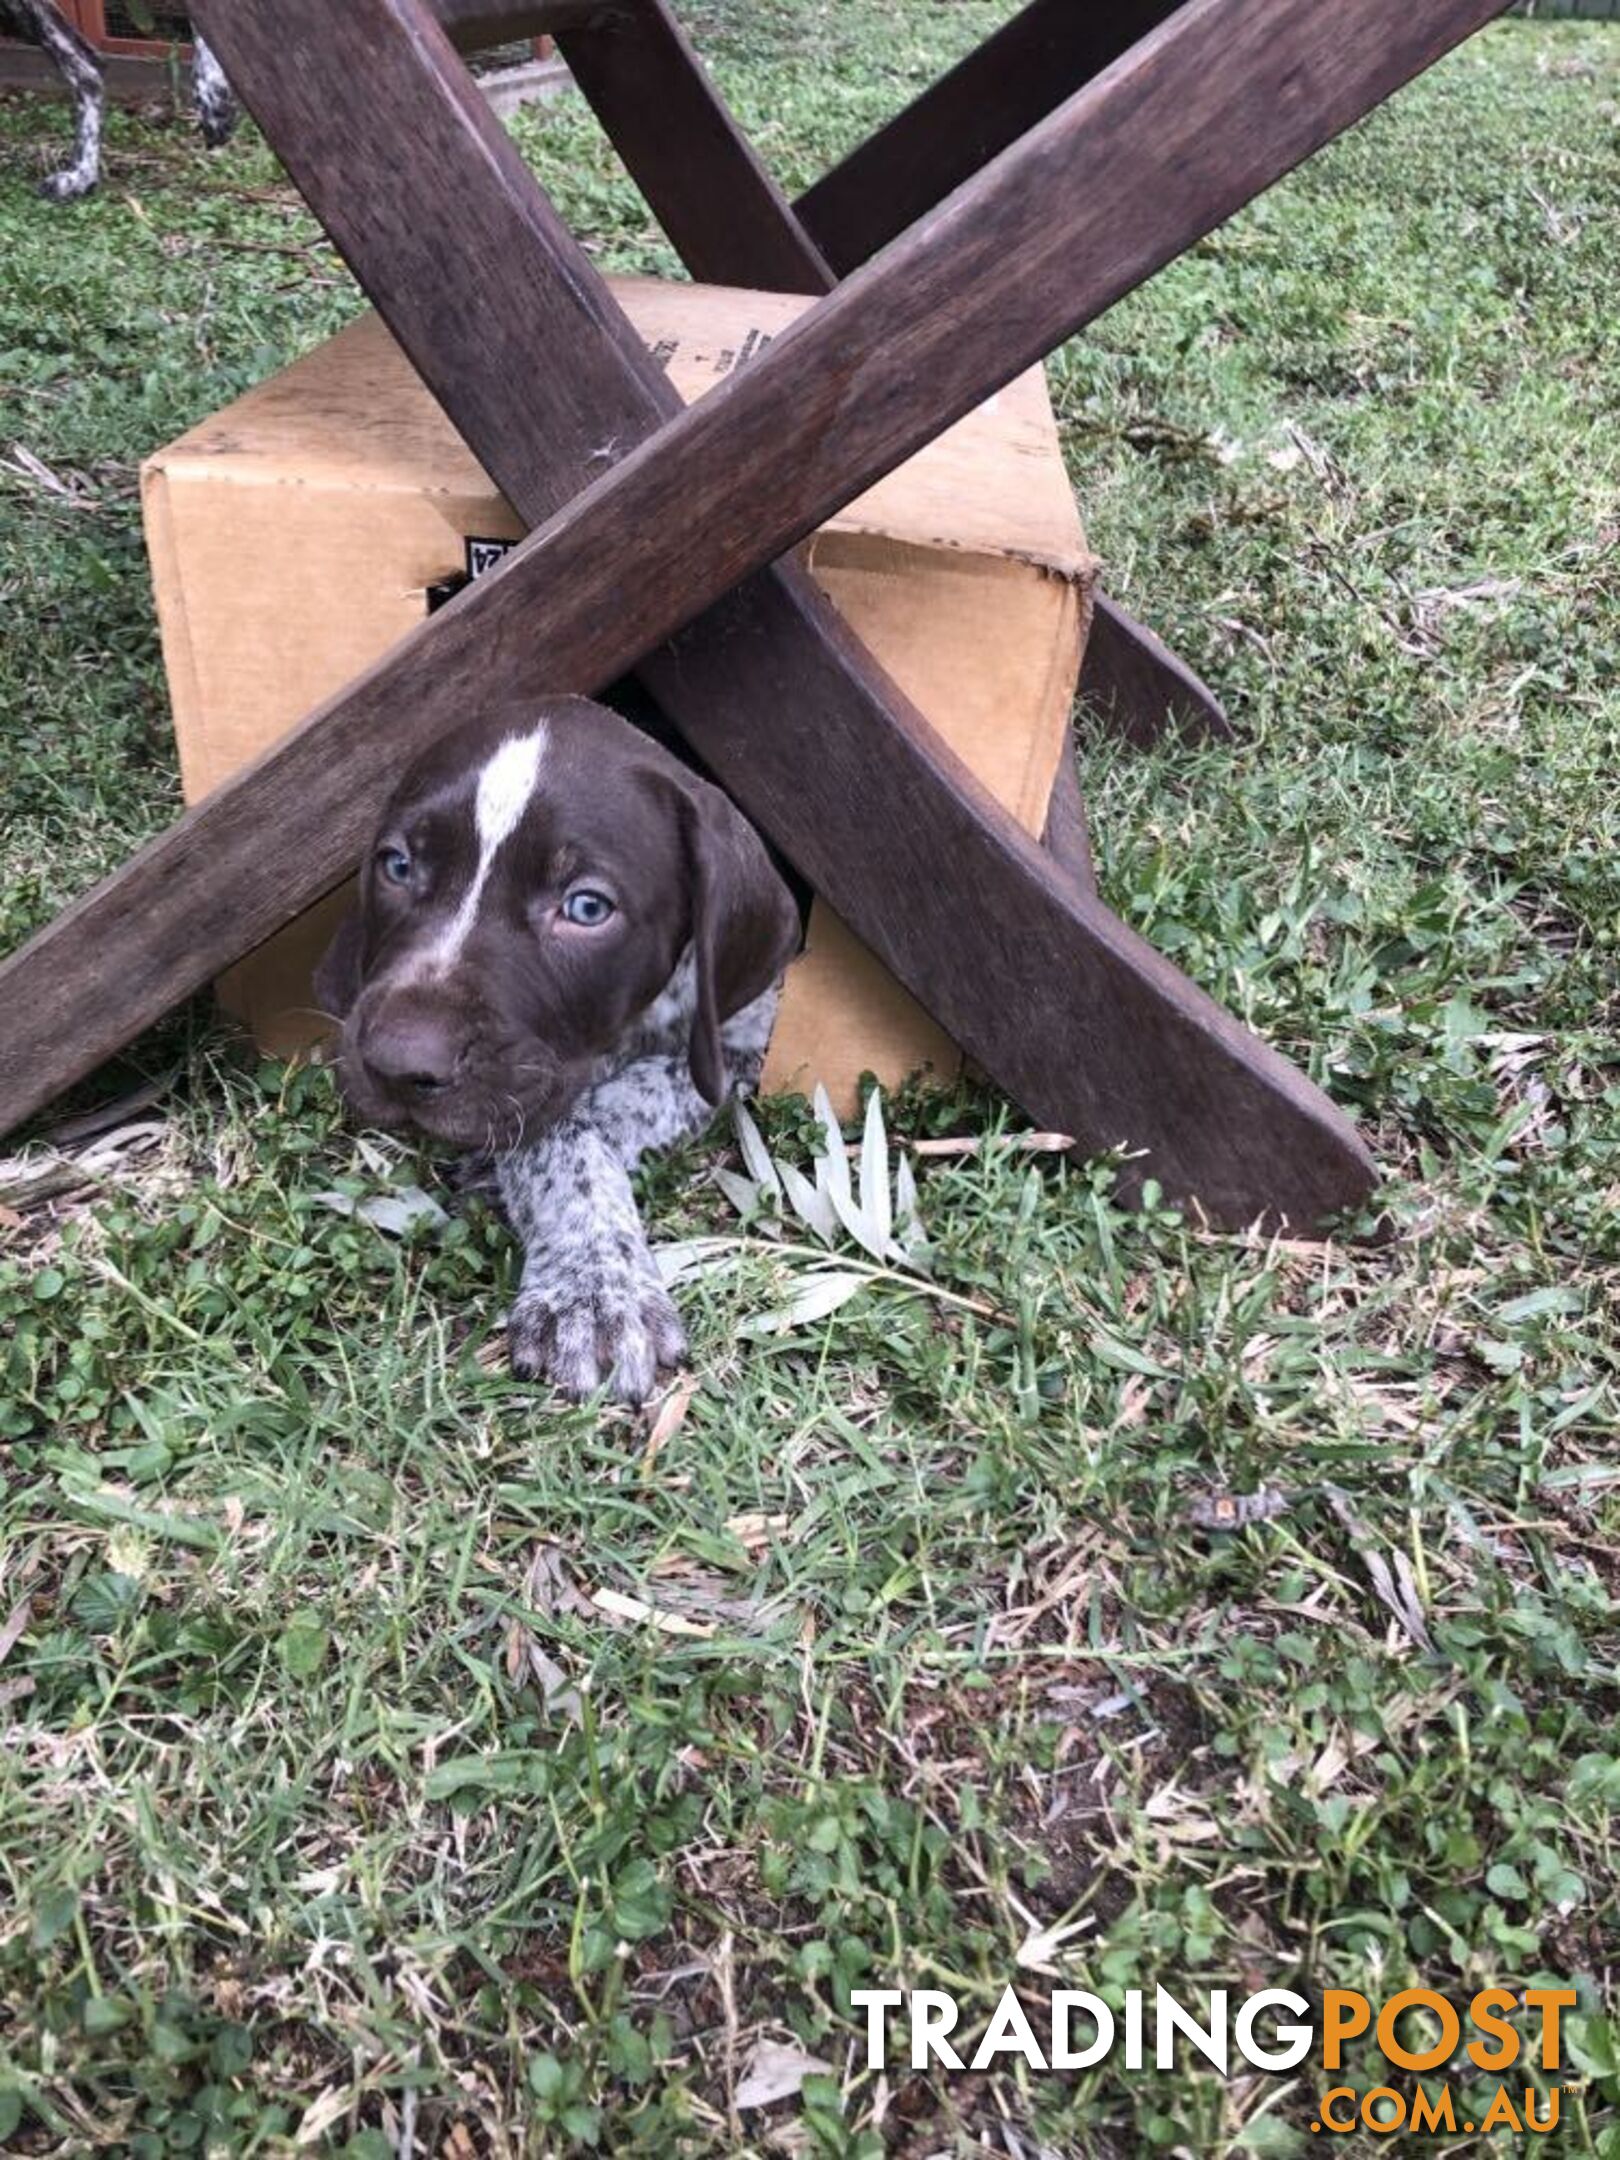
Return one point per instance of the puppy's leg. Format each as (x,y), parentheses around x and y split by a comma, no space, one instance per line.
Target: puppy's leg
(212,96)
(653,1103)
(76,63)
(592,1309)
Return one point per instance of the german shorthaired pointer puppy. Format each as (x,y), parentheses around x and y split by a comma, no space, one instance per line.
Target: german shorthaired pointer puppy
(567,952)
(79,65)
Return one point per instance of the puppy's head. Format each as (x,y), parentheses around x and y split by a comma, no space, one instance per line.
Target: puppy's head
(533,884)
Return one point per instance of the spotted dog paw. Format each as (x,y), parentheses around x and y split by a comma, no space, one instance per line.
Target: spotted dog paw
(66,186)
(614,1332)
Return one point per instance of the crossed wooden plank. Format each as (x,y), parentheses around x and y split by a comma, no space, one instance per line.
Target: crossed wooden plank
(1062,1003)
(731,224)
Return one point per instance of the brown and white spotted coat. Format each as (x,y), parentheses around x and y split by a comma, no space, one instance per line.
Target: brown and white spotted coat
(566,954)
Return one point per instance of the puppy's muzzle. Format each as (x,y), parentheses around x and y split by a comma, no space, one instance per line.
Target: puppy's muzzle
(413,1049)
(420,1055)
(413,1055)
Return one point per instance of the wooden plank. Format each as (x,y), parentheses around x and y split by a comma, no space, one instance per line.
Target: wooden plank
(474,25)
(1054,997)
(987,101)
(1137,686)
(729,222)
(1067,837)
(723,213)
(345,211)
(567,545)
(899,350)
(731,225)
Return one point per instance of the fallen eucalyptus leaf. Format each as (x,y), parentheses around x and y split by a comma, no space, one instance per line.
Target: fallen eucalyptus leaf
(395,1214)
(810,1203)
(820,1294)
(875,1172)
(618,1606)
(755,1154)
(777,2072)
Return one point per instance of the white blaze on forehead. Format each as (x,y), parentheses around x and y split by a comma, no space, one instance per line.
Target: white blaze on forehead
(506,787)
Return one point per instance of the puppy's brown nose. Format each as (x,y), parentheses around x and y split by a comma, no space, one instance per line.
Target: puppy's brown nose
(414,1050)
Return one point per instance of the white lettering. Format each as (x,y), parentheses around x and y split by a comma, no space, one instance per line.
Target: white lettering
(1133,2028)
(933,2015)
(1295,2039)
(1009,2033)
(1169,2018)
(1064,2004)
(874,2001)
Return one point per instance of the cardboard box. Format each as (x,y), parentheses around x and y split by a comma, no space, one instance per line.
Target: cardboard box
(294,535)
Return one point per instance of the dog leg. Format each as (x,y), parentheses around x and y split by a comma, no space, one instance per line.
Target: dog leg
(653,1103)
(591,1309)
(76,63)
(212,96)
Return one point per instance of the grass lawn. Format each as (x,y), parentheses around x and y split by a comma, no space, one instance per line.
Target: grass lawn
(334,1810)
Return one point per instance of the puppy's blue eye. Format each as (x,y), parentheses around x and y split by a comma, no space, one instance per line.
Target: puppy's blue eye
(587,908)
(395,865)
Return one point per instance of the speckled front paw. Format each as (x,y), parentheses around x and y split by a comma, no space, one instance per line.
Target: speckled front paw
(583,1337)
(67,186)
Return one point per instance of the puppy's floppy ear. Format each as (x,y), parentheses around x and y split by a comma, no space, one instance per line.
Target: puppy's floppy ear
(745,923)
(338,971)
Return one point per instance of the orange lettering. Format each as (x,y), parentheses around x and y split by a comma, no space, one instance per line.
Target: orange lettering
(1499,2115)
(1332,2122)
(1484,2013)
(1428,2058)
(1344,2014)
(1383,2125)
(1550,2002)
(1550,2120)
(1433,2114)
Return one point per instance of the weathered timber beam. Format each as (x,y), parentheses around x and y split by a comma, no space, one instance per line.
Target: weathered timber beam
(1138,170)
(475,25)
(731,224)
(993,95)
(722,212)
